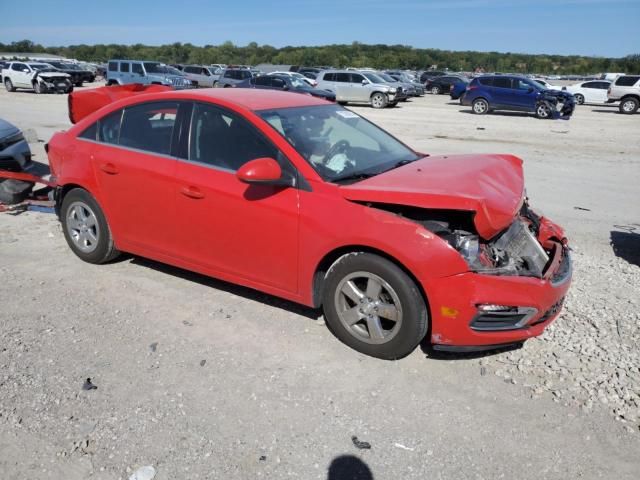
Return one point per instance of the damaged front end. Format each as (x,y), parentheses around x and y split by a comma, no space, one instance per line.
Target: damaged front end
(53,83)
(531,246)
(555,104)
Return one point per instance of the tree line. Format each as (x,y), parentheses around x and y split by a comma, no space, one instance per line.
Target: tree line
(354,55)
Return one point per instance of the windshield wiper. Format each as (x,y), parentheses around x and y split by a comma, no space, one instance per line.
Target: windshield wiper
(399,164)
(354,176)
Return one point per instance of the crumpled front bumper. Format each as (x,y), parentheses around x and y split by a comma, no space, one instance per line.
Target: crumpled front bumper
(458,301)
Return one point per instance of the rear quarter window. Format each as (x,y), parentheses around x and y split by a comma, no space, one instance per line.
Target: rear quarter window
(627,81)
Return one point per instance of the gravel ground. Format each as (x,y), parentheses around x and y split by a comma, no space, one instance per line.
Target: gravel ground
(202,379)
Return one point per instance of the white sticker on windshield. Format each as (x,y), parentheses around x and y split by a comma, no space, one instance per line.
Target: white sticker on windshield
(346,114)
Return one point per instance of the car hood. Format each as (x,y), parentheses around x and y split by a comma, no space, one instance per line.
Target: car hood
(7,129)
(53,74)
(490,186)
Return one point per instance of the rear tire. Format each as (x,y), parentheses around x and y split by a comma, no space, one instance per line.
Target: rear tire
(8,84)
(480,106)
(579,98)
(629,106)
(379,100)
(435,90)
(85,228)
(373,306)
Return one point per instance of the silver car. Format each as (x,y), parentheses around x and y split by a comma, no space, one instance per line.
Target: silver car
(205,76)
(353,87)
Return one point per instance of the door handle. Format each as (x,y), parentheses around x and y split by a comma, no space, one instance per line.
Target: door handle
(192,192)
(109,168)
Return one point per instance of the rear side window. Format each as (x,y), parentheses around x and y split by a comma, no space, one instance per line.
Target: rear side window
(90,133)
(149,127)
(342,77)
(113,66)
(124,67)
(137,68)
(263,81)
(109,128)
(228,74)
(501,82)
(627,80)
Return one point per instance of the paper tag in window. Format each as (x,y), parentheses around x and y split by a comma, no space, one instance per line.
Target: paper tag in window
(346,114)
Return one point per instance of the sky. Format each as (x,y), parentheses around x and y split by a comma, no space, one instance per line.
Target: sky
(609,28)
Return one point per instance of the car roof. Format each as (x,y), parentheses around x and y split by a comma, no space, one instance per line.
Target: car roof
(251,99)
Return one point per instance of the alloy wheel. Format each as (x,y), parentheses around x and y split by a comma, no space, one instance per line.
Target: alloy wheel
(82,226)
(368,307)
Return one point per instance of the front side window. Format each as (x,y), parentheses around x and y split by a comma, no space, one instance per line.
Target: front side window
(18,67)
(590,85)
(357,78)
(339,144)
(137,68)
(224,140)
(278,82)
(149,127)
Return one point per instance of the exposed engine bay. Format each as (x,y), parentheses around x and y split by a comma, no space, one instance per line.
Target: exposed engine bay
(515,251)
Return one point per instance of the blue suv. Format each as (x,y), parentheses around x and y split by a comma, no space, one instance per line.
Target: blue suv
(516,93)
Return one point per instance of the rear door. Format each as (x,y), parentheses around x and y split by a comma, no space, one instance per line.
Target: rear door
(501,92)
(135,171)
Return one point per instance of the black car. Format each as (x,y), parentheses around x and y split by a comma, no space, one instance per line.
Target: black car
(429,74)
(443,83)
(287,83)
(78,75)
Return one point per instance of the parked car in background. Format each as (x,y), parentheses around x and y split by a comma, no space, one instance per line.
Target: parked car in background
(310,81)
(205,76)
(457,90)
(626,90)
(278,81)
(231,76)
(442,84)
(353,87)
(546,85)
(405,78)
(3,65)
(515,93)
(310,72)
(123,72)
(39,77)
(429,74)
(407,88)
(310,202)
(377,79)
(77,74)
(15,156)
(594,91)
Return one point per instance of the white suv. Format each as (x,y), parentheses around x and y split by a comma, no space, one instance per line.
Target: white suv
(352,86)
(626,90)
(40,77)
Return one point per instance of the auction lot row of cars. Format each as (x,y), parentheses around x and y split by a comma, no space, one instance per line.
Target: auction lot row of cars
(365,230)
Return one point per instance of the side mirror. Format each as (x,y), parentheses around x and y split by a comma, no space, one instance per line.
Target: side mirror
(263,171)
(26,70)
(364,82)
(285,87)
(530,90)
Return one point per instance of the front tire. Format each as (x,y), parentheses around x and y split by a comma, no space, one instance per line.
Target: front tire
(543,110)
(373,306)
(8,84)
(579,98)
(85,228)
(379,100)
(38,88)
(629,106)
(480,106)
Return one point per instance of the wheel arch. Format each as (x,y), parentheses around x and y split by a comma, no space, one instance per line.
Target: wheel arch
(331,257)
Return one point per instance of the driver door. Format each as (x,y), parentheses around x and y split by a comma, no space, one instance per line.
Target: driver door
(19,77)
(243,232)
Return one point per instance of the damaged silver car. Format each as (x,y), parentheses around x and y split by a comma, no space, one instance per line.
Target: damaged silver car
(39,77)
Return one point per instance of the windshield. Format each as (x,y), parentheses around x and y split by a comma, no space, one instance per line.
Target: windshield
(298,83)
(387,78)
(40,66)
(339,144)
(373,77)
(172,70)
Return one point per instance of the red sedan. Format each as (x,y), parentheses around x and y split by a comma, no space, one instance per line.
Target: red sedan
(306,200)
